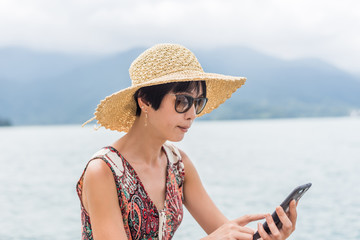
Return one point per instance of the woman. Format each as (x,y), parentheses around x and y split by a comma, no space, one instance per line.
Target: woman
(135,188)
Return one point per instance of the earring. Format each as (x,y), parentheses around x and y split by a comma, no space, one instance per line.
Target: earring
(146,117)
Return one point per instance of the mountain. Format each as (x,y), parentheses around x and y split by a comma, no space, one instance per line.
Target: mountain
(68,97)
(25,65)
(281,88)
(54,88)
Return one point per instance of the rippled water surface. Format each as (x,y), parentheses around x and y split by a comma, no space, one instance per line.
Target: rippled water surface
(246,166)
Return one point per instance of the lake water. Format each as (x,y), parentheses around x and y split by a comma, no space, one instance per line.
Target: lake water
(246,166)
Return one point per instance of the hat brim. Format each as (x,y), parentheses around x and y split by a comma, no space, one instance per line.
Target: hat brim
(117,111)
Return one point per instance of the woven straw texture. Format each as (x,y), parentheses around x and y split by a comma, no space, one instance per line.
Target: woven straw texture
(163,63)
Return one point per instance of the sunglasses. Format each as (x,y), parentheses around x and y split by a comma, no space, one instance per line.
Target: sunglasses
(184,102)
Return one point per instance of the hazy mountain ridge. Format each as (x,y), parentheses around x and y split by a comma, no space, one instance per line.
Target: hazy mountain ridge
(279,88)
(25,65)
(275,88)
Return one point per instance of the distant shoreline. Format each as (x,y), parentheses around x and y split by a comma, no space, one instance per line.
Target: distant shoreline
(203,120)
(5,123)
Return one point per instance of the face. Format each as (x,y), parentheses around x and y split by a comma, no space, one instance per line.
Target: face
(167,122)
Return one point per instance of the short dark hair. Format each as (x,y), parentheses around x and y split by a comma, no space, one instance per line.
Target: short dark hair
(155,94)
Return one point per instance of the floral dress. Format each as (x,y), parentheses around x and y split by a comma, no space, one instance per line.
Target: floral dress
(142,220)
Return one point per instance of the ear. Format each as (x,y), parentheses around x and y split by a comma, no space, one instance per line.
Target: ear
(142,102)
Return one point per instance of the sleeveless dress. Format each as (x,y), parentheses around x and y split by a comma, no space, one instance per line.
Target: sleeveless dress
(141,218)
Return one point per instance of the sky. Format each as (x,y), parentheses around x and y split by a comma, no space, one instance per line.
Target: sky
(324,29)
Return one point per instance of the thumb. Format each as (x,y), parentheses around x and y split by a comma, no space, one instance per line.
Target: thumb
(244,220)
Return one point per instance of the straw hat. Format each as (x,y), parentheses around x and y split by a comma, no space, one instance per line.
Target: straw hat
(162,63)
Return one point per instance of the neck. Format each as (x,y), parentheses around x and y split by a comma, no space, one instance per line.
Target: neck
(141,144)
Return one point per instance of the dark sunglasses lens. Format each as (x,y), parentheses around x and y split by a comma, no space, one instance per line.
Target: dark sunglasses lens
(200,105)
(182,103)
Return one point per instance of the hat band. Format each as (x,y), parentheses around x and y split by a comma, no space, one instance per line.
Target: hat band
(143,79)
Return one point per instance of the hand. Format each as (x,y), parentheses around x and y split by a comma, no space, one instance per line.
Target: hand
(288,224)
(235,229)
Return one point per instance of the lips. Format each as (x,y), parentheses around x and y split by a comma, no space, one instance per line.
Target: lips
(184,129)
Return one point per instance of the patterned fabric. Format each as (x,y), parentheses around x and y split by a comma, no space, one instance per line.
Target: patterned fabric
(142,220)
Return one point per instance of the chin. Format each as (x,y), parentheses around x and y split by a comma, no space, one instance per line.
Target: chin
(176,138)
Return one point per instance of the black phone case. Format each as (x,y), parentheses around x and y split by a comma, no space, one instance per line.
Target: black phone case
(296,194)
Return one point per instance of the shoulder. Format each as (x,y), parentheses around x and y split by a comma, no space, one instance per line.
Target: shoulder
(184,160)
(189,167)
(97,172)
(110,158)
(104,166)
(99,184)
(184,157)
(177,154)
(100,200)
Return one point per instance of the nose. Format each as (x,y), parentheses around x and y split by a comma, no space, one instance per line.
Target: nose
(191,113)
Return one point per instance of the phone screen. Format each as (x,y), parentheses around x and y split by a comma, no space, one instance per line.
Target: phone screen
(296,194)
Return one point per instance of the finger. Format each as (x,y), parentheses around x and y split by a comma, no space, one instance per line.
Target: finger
(249,218)
(272,226)
(246,230)
(293,213)
(263,234)
(239,232)
(286,223)
(234,227)
(241,235)
(290,204)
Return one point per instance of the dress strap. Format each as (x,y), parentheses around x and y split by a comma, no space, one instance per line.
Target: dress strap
(110,155)
(172,152)
(176,162)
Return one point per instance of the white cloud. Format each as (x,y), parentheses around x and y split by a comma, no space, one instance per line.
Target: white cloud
(289,29)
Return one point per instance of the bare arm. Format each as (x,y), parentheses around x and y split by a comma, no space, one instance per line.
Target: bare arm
(210,218)
(101,202)
(197,200)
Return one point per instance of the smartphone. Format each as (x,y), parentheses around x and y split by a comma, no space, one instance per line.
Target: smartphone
(296,194)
